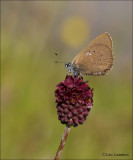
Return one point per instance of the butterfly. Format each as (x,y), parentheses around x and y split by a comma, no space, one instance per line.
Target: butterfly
(95,59)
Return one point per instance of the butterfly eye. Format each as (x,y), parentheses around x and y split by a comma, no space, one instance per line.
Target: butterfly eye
(66,65)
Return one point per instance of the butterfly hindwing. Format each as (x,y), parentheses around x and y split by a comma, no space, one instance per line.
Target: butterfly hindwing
(97,57)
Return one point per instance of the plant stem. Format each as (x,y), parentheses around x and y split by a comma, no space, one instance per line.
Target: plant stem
(62,143)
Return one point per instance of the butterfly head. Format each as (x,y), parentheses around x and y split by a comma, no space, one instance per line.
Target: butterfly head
(69,67)
(72,69)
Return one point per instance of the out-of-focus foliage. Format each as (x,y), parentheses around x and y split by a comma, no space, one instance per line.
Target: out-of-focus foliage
(31,32)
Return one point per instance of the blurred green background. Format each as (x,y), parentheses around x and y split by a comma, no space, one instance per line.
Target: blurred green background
(31,32)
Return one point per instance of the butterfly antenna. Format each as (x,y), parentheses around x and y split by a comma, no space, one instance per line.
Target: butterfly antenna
(56,54)
(59,62)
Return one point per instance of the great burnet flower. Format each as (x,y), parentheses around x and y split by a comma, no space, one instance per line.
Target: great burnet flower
(74,100)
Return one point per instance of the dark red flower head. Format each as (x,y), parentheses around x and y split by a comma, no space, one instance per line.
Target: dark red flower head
(74,100)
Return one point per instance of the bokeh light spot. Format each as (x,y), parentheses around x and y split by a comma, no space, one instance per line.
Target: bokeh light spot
(75,31)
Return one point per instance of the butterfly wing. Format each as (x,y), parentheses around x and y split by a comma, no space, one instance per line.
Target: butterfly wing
(97,57)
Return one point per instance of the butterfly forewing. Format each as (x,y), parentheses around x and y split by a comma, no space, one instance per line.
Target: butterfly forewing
(97,57)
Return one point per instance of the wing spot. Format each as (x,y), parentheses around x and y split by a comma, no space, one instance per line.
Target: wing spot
(88,53)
